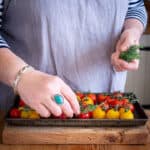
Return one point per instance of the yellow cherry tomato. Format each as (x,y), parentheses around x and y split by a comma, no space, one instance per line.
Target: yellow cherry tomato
(127,114)
(78,98)
(24,114)
(121,110)
(98,113)
(87,101)
(34,115)
(21,108)
(112,114)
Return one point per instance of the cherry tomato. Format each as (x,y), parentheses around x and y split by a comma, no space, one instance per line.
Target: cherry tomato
(113,102)
(124,101)
(105,106)
(79,94)
(91,114)
(62,116)
(109,100)
(33,115)
(130,106)
(84,115)
(117,94)
(98,113)
(25,114)
(87,101)
(21,103)
(15,113)
(101,98)
(112,114)
(92,96)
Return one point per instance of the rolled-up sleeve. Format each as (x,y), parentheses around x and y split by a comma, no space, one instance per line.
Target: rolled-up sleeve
(137,10)
(3,43)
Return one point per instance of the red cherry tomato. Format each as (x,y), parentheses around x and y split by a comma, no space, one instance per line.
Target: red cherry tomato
(84,115)
(114,102)
(62,116)
(81,95)
(21,103)
(130,106)
(109,100)
(124,101)
(104,106)
(117,94)
(101,98)
(90,114)
(15,113)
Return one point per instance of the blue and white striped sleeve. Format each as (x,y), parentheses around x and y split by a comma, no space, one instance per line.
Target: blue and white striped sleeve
(3,43)
(137,10)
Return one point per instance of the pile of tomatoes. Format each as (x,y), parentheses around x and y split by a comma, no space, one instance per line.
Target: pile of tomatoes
(105,106)
(24,112)
(92,106)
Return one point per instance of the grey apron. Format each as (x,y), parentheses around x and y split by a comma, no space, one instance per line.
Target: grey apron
(73,39)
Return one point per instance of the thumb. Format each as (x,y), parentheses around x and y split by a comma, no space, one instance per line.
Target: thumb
(127,43)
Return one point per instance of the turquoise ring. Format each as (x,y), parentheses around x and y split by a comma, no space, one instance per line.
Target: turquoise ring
(58,99)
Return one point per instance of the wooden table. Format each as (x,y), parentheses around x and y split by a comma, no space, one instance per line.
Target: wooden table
(70,146)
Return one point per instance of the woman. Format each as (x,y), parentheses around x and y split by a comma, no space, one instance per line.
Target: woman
(72,45)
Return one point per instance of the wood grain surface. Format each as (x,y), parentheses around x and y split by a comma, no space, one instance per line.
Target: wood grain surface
(73,146)
(61,135)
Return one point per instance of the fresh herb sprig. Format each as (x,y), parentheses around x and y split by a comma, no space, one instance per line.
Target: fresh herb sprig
(131,54)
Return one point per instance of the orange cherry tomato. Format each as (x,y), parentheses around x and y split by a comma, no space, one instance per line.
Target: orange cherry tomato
(87,101)
(92,96)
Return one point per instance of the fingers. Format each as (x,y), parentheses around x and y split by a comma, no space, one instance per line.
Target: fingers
(130,66)
(126,40)
(51,106)
(42,88)
(42,111)
(66,108)
(121,65)
(71,98)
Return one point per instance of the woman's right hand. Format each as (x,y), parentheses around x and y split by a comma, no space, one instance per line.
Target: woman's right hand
(37,90)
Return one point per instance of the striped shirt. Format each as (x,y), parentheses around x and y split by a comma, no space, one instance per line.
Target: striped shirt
(136,9)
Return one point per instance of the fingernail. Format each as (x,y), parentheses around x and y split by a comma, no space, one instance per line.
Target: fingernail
(58,113)
(70,115)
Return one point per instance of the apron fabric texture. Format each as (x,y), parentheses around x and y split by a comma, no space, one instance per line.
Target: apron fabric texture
(73,39)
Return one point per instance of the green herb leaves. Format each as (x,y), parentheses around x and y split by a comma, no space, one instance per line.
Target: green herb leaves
(131,54)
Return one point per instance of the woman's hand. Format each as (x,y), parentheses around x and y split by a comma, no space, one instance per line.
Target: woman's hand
(128,37)
(37,90)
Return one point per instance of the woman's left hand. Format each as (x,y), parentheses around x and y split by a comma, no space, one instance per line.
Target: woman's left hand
(128,37)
